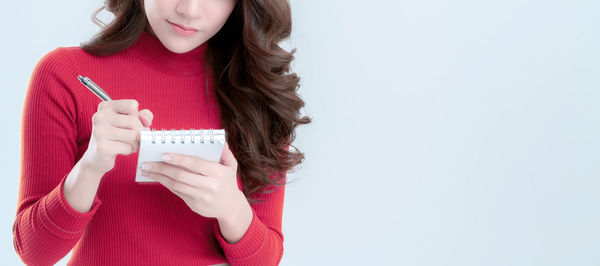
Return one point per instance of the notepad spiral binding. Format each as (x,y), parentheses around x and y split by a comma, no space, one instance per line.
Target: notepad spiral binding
(184,136)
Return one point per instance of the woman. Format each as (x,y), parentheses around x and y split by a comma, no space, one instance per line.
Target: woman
(166,64)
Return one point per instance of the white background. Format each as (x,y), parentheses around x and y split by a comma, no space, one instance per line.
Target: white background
(444,132)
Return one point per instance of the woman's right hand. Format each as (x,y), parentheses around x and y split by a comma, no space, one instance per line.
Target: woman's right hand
(116,127)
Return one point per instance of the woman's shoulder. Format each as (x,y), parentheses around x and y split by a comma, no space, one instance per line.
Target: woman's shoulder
(59,56)
(75,54)
(54,66)
(64,63)
(78,54)
(60,59)
(75,58)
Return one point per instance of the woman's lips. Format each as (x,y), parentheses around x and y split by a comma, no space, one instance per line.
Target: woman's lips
(183,30)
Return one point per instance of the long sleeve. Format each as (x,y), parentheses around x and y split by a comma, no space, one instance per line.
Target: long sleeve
(46,227)
(262,244)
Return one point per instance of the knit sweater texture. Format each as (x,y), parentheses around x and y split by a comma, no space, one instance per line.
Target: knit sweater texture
(129,223)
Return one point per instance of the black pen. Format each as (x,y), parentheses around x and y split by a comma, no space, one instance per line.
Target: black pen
(94,88)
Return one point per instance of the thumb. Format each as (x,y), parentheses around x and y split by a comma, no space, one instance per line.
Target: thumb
(227,157)
(146,117)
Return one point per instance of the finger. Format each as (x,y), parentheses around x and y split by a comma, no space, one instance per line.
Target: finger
(125,121)
(179,188)
(194,164)
(127,136)
(176,173)
(145,122)
(124,106)
(114,147)
(146,117)
(227,157)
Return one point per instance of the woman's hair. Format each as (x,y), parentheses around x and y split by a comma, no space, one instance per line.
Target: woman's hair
(258,103)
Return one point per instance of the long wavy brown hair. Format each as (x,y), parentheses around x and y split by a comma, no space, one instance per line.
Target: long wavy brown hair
(258,103)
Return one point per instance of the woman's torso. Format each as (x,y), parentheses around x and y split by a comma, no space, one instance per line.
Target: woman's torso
(140,223)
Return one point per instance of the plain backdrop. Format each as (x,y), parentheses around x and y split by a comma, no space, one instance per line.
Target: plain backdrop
(458,133)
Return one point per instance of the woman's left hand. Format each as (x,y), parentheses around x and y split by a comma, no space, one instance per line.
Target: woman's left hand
(208,188)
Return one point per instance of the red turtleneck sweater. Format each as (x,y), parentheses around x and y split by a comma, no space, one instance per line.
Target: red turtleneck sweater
(129,223)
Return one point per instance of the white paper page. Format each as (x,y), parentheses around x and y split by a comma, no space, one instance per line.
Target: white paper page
(154,151)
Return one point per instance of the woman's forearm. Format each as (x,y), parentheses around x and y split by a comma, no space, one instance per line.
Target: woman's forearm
(81,186)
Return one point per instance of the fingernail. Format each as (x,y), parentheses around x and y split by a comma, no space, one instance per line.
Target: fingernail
(146,166)
(167,158)
(146,121)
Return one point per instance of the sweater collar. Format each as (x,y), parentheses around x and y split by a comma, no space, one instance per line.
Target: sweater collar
(153,53)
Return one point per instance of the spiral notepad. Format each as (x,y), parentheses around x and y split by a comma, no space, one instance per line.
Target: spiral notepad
(206,144)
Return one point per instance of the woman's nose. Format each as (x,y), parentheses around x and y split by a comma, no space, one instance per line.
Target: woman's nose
(189,8)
